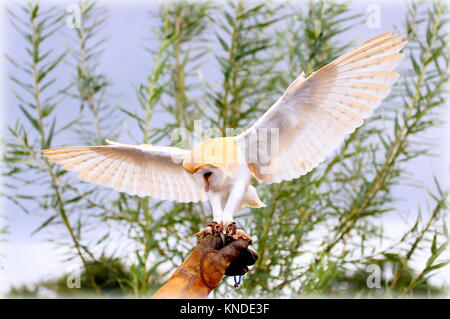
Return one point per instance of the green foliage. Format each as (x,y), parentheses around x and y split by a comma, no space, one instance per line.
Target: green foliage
(110,274)
(319,233)
(91,87)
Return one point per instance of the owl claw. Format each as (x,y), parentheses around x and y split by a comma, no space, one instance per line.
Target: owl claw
(231,230)
(210,229)
(235,232)
(218,227)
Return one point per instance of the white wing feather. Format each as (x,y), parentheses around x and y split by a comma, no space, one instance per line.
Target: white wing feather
(143,170)
(314,115)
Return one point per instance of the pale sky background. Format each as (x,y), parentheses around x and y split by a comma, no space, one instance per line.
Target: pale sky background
(27,258)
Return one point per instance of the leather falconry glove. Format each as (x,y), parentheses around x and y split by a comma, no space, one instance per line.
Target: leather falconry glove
(205,267)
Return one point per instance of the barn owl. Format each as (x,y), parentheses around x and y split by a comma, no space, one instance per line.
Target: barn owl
(311,118)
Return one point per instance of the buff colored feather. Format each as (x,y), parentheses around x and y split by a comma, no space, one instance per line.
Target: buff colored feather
(217,152)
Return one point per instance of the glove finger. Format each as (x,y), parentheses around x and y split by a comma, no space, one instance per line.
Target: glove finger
(239,266)
(236,269)
(233,250)
(211,242)
(249,257)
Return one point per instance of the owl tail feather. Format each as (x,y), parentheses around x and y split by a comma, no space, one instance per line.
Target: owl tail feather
(251,199)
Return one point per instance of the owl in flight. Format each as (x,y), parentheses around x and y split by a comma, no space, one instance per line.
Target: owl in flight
(308,122)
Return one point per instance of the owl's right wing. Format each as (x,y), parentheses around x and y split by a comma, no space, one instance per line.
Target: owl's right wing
(315,114)
(143,170)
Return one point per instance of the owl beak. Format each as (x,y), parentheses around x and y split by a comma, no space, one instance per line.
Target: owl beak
(206,183)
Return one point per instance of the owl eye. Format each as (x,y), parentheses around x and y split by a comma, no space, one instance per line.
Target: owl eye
(207,174)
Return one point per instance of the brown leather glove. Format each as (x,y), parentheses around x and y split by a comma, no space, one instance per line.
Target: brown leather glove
(205,267)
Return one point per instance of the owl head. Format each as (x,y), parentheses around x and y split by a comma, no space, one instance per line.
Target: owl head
(209,160)
(210,178)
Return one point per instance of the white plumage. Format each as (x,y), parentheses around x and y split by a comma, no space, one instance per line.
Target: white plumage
(310,119)
(314,115)
(143,170)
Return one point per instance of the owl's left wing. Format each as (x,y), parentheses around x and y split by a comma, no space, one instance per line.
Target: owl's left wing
(316,113)
(143,170)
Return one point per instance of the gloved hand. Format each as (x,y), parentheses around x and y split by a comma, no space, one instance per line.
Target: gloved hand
(205,267)
(239,266)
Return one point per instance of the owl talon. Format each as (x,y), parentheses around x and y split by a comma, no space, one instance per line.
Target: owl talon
(204,232)
(218,227)
(210,229)
(243,235)
(231,228)
(235,232)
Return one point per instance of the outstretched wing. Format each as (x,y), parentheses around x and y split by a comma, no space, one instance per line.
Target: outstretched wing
(314,115)
(143,170)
